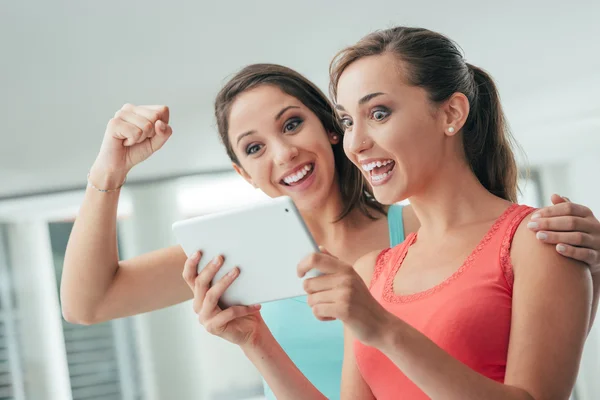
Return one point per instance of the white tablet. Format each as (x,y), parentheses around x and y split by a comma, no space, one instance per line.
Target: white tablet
(265,241)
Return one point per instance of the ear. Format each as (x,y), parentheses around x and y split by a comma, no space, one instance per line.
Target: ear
(334,138)
(455,112)
(241,172)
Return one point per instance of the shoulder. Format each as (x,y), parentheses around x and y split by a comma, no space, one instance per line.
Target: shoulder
(534,261)
(368,265)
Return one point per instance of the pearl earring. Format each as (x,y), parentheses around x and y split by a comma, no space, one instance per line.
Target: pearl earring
(334,137)
(451,129)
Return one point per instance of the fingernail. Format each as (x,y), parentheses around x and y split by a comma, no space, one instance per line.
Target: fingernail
(232,272)
(216,260)
(533,225)
(197,254)
(256,306)
(561,248)
(536,216)
(541,236)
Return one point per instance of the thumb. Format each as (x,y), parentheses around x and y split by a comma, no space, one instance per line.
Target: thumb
(556,199)
(163,132)
(323,250)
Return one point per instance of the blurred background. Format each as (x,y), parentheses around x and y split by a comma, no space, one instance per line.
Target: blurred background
(67,66)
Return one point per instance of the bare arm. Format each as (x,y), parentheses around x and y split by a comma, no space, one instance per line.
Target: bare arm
(243,326)
(95,285)
(354,386)
(279,371)
(550,320)
(575,232)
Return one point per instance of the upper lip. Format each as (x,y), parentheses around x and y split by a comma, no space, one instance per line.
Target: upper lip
(294,170)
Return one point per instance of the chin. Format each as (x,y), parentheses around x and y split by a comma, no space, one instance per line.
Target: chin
(310,200)
(388,195)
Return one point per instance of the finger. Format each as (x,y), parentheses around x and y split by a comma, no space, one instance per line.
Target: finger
(199,290)
(207,274)
(162,112)
(562,209)
(561,224)
(321,283)
(123,130)
(557,199)
(163,133)
(190,269)
(203,281)
(151,113)
(211,300)
(323,250)
(578,239)
(588,256)
(326,311)
(141,122)
(324,263)
(215,324)
(322,297)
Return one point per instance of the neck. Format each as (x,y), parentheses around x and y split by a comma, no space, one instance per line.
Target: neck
(320,220)
(453,198)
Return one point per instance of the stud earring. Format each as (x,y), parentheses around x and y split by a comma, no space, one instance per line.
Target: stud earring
(334,137)
(451,129)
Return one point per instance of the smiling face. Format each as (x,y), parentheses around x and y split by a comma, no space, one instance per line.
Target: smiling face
(394,133)
(281,146)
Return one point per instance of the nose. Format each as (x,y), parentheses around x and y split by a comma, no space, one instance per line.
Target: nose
(284,153)
(357,140)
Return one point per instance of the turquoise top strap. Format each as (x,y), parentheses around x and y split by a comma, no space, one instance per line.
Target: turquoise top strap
(396,224)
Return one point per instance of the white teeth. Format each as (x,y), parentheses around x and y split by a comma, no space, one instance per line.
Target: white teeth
(370,166)
(377,178)
(298,175)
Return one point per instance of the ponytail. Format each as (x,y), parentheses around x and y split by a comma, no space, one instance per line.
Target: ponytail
(487,139)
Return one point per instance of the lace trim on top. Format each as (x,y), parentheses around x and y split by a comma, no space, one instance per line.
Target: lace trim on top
(505,262)
(388,290)
(382,261)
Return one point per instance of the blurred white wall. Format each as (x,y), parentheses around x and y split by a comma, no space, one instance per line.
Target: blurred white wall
(41,340)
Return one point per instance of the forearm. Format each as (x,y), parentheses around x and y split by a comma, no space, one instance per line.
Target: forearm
(436,372)
(91,258)
(596,293)
(281,374)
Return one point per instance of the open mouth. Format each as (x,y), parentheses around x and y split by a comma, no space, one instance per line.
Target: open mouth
(379,171)
(299,176)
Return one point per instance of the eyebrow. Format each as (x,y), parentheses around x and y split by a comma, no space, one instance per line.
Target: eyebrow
(362,101)
(243,135)
(279,114)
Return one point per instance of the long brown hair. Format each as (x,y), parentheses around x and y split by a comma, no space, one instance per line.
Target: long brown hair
(355,191)
(435,64)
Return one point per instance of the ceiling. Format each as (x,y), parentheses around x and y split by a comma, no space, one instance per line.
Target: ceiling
(67,66)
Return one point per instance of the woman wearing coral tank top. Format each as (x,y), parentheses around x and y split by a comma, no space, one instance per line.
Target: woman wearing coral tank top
(465,308)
